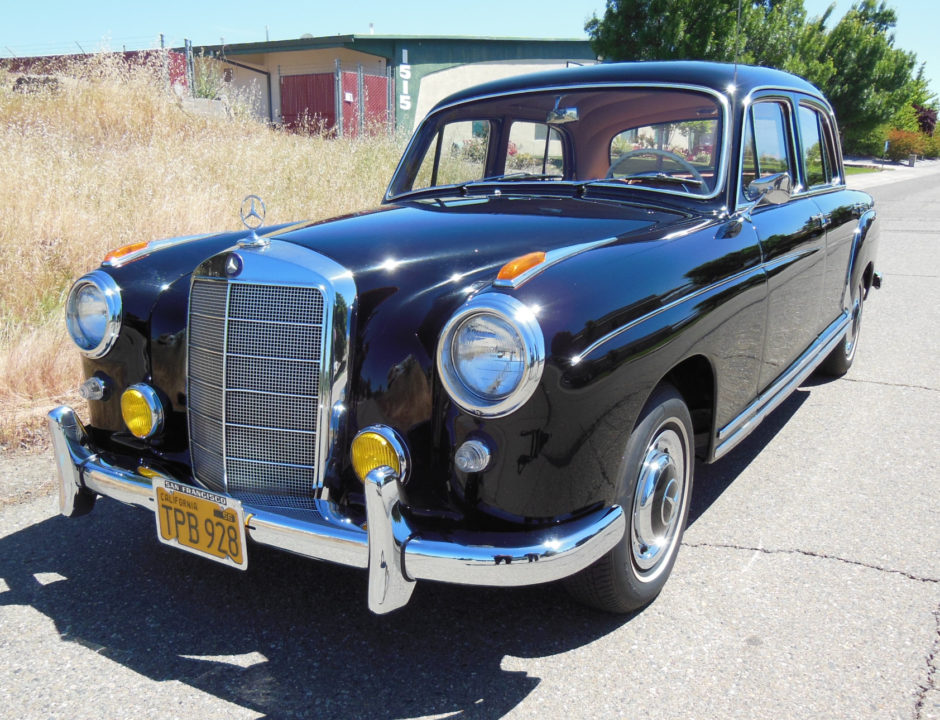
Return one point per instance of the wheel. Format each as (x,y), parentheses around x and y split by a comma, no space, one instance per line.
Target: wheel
(838,362)
(654,489)
(685,164)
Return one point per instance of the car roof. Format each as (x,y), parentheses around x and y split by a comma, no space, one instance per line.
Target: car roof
(711,75)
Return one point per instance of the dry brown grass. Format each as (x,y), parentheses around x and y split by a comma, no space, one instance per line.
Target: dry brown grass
(111,158)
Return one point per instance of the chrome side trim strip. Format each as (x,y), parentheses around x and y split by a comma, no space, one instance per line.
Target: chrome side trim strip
(739,428)
(764,267)
(668,306)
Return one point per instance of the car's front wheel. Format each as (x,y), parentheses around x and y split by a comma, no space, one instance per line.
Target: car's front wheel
(655,487)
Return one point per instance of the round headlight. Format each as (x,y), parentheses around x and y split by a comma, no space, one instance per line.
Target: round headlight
(491,355)
(93,313)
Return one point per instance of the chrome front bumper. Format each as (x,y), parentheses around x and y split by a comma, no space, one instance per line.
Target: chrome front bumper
(395,554)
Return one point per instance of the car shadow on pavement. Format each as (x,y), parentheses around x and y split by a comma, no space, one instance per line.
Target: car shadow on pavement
(712,480)
(294,638)
(289,637)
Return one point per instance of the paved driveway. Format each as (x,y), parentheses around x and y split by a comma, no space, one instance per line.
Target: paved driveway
(808,585)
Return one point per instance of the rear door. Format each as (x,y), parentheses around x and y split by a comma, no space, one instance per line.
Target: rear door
(838,208)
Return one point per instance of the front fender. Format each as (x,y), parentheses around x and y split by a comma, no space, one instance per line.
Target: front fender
(616,320)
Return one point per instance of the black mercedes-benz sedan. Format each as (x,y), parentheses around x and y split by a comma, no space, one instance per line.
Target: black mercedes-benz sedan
(578,282)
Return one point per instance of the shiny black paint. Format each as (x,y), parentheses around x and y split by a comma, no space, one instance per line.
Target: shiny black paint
(143,282)
(793,247)
(699,295)
(719,305)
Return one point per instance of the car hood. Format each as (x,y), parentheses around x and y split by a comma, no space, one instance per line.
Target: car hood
(412,247)
(415,263)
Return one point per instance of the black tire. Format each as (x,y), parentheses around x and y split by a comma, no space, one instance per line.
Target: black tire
(838,362)
(655,479)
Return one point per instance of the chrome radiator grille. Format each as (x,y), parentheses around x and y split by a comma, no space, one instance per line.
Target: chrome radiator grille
(255,356)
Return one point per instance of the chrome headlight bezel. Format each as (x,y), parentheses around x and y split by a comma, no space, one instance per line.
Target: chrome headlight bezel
(513,314)
(104,284)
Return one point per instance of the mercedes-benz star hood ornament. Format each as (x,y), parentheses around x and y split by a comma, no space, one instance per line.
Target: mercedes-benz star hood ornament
(252,214)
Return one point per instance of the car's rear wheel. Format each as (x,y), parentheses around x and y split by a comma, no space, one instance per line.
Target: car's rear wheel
(655,487)
(838,362)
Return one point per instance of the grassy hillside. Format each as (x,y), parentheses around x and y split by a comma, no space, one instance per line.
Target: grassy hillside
(109,157)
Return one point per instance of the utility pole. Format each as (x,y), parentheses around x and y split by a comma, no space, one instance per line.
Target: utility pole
(190,67)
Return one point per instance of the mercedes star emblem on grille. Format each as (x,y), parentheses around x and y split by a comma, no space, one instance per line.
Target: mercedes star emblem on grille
(233,265)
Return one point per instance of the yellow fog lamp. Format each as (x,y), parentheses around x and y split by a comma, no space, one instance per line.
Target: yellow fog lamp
(142,411)
(377,446)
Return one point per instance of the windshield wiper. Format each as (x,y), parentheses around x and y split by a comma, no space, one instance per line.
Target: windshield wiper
(660,177)
(513,177)
(435,191)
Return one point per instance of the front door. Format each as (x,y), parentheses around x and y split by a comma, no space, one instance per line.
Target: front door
(792,238)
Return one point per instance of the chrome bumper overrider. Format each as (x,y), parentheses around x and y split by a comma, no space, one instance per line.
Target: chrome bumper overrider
(395,554)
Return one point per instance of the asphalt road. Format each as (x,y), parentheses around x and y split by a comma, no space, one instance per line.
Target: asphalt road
(808,585)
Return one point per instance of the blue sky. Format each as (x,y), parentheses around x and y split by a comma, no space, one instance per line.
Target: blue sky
(56,26)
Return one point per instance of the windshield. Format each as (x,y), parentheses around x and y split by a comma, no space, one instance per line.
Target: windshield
(660,139)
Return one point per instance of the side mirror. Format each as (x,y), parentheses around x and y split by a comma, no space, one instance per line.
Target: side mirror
(770,190)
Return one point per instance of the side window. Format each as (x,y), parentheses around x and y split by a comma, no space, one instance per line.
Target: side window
(817,150)
(766,148)
(535,148)
(457,154)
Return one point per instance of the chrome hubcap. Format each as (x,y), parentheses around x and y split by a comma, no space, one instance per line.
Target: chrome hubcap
(658,500)
(852,337)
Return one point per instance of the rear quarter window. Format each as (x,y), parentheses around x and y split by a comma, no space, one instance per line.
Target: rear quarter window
(818,153)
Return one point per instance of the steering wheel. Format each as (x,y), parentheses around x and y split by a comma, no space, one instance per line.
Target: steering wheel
(662,153)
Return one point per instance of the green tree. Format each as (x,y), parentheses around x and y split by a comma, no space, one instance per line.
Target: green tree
(773,33)
(665,30)
(863,75)
(867,80)
(769,32)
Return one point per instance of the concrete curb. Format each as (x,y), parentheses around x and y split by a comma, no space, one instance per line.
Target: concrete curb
(894,173)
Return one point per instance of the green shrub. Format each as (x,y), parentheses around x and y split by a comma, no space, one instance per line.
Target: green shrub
(868,143)
(932,146)
(905,143)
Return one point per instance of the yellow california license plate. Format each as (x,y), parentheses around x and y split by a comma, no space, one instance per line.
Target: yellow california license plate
(201,522)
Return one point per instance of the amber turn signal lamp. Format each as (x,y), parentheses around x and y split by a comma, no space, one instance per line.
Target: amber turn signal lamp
(370,450)
(515,268)
(142,411)
(125,250)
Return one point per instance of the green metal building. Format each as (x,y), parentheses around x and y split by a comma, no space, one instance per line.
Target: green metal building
(345,81)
